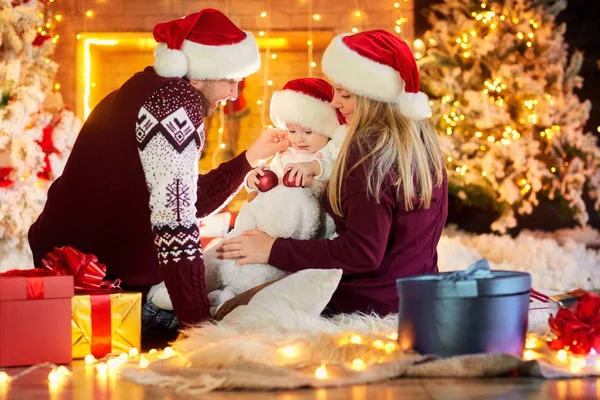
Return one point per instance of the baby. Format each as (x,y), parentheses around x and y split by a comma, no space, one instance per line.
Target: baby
(288,211)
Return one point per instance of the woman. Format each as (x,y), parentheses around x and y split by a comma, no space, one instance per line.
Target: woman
(388,191)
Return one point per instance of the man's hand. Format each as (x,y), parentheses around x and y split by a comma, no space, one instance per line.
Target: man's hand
(267,145)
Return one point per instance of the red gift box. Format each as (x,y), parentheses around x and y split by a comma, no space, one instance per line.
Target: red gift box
(35,319)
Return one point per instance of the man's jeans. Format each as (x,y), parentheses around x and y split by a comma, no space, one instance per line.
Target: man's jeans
(158,326)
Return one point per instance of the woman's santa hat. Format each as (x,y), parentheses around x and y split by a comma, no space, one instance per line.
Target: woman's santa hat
(205,46)
(306,102)
(378,65)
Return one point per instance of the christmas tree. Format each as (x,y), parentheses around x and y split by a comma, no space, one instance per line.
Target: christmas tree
(36,131)
(502,86)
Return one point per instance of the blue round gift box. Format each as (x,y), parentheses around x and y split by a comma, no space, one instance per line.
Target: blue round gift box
(444,317)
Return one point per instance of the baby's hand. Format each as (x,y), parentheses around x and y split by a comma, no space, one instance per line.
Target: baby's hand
(302,172)
(253,175)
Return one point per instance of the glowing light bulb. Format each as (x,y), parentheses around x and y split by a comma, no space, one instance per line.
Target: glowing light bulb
(396,5)
(133,352)
(358,364)
(321,372)
(4,377)
(144,362)
(263,14)
(102,368)
(57,86)
(561,355)
(270,82)
(273,56)
(58,17)
(313,64)
(289,351)
(90,359)
(153,351)
(356,339)
(261,33)
(357,13)
(168,352)
(89,13)
(354,30)
(317,17)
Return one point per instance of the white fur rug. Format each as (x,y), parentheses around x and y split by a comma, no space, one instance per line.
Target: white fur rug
(557,261)
(286,353)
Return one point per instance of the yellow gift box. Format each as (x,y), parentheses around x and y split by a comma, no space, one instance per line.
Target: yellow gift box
(105,323)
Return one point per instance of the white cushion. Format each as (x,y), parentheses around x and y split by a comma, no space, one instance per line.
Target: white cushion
(290,300)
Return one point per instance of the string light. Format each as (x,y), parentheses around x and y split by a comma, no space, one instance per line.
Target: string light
(90,359)
(4,377)
(309,42)
(87,66)
(263,14)
(58,17)
(317,17)
(398,17)
(89,13)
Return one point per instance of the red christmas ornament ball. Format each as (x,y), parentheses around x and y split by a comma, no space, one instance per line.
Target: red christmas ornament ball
(268,181)
(290,182)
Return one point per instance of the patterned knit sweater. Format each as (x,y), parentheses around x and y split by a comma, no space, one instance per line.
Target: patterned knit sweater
(131,193)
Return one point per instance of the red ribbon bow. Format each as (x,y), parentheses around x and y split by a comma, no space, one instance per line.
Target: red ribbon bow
(578,329)
(88,273)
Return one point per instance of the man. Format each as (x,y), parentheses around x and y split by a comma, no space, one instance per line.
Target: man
(130,192)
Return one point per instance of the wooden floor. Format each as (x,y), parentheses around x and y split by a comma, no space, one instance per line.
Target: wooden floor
(87,385)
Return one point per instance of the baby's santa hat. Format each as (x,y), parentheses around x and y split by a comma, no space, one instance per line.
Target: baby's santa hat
(378,65)
(306,102)
(205,45)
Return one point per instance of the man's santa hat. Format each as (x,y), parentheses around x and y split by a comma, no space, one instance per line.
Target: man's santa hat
(378,65)
(205,46)
(305,102)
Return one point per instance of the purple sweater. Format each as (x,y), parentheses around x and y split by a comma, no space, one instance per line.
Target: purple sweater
(130,192)
(377,244)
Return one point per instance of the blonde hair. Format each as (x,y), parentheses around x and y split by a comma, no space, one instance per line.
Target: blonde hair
(386,140)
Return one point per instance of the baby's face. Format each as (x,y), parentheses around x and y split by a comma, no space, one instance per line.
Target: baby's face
(305,139)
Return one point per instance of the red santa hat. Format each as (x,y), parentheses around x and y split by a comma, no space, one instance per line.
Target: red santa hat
(378,65)
(206,46)
(306,102)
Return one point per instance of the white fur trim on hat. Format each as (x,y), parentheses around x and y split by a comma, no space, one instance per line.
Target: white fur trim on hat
(368,78)
(234,61)
(298,108)
(169,63)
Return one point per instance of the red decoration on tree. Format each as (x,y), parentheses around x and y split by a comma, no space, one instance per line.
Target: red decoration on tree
(268,181)
(578,329)
(4,179)
(40,39)
(47,146)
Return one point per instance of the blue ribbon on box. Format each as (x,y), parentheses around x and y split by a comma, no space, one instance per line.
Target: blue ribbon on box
(477,270)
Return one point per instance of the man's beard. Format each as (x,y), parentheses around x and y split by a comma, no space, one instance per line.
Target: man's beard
(207,110)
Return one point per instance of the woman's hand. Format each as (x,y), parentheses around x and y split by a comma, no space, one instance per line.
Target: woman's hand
(267,145)
(251,247)
(303,172)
